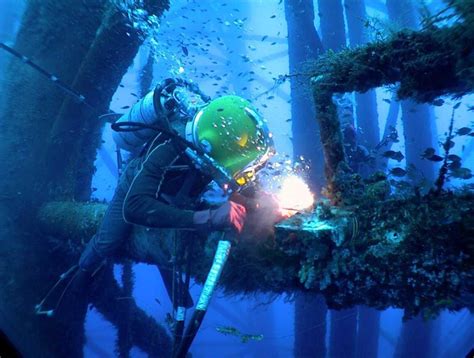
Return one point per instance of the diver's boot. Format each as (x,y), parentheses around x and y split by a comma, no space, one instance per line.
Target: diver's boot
(56,293)
(73,283)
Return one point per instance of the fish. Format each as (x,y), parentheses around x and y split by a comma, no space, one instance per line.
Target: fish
(428,153)
(387,100)
(244,338)
(264,37)
(227,330)
(398,172)
(463,131)
(454,158)
(398,156)
(185,50)
(435,158)
(438,102)
(273,16)
(461,173)
(454,165)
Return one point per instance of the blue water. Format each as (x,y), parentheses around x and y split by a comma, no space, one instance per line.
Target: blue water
(240,46)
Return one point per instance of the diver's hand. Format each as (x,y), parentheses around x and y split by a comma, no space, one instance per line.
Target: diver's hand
(229,215)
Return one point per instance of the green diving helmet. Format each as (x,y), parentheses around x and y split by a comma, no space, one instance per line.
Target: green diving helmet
(234,134)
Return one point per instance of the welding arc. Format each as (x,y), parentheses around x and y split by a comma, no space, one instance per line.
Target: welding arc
(79,97)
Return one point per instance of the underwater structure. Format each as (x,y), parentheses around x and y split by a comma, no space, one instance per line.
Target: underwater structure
(363,245)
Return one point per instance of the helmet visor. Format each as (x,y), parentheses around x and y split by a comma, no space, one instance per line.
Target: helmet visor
(233,134)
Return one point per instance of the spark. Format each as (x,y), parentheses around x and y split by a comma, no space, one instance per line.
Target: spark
(294,196)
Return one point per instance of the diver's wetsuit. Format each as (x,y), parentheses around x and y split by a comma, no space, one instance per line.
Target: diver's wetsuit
(158,189)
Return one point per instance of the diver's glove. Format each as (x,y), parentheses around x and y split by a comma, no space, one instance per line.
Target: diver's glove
(229,215)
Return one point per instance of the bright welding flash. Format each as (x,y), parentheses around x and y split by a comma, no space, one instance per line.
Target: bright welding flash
(294,196)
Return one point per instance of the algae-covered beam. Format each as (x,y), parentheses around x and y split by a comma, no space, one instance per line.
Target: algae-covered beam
(331,136)
(426,64)
(416,254)
(76,221)
(413,253)
(72,224)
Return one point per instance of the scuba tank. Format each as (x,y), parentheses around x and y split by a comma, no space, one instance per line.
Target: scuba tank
(142,112)
(173,99)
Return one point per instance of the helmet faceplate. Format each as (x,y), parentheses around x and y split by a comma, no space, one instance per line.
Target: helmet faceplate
(232,132)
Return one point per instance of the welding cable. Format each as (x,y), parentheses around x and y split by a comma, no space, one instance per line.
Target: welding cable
(220,259)
(183,296)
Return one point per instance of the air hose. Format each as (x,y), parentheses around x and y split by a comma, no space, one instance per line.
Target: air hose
(200,158)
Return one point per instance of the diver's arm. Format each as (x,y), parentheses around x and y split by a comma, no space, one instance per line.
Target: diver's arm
(141,205)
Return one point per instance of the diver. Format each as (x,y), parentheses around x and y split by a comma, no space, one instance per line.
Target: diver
(185,142)
(358,155)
